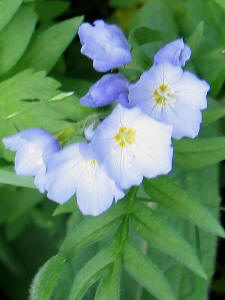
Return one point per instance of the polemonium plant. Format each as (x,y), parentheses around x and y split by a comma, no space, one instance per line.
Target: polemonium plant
(105,44)
(173,96)
(110,88)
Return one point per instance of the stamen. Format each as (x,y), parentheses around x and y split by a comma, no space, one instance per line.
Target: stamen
(125,136)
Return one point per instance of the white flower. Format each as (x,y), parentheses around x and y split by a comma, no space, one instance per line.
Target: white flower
(132,145)
(171,95)
(76,170)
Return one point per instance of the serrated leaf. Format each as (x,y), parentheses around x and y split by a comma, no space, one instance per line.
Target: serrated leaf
(109,287)
(45,280)
(196,37)
(48,45)
(146,273)
(92,229)
(7,10)
(10,177)
(199,152)
(171,195)
(159,234)
(49,10)
(16,36)
(91,272)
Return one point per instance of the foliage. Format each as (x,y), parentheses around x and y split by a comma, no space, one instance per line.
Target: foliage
(160,241)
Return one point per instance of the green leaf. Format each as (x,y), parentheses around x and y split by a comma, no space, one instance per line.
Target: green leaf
(109,288)
(92,229)
(156,15)
(10,177)
(16,37)
(67,207)
(221,3)
(162,236)
(49,10)
(199,152)
(146,273)
(123,3)
(7,10)
(143,35)
(168,193)
(91,272)
(196,37)
(45,280)
(213,114)
(48,45)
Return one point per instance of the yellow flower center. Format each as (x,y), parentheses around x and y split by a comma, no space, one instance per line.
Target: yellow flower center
(163,95)
(94,162)
(125,136)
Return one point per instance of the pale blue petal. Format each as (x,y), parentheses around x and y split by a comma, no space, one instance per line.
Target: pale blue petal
(176,52)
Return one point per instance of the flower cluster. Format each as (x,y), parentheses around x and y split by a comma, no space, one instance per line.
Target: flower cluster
(132,142)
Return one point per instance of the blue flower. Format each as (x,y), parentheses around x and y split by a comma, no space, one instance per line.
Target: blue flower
(33,148)
(76,169)
(176,52)
(111,87)
(105,44)
(168,94)
(132,145)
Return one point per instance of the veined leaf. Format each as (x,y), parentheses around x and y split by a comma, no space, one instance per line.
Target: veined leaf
(146,273)
(10,177)
(91,272)
(162,236)
(92,229)
(45,280)
(48,45)
(172,196)
(109,288)
(199,152)
(7,10)
(16,36)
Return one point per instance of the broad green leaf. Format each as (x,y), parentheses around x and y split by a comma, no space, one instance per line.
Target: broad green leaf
(161,235)
(171,195)
(91,272)
(10,177)
(213,114)
(156,15)
(7,10)
(109,288)
(143,270)
(16,36)
(45,280)
(92,229)
(199,152)
(49,10)
(48,45)
(196,37)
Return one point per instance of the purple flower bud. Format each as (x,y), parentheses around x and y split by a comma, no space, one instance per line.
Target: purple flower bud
(105,44)
(110,88)
(176,53)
